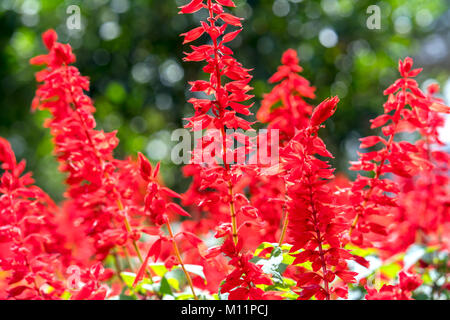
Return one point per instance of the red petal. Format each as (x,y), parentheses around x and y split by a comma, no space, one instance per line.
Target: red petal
(155,173)
(324,110)
(177,209)
(170,193)
(49,38)
(230,19)
(228,3)
(192,238)
(145,167)
(192,35)
(230,36)
(154,250)
(370,141)
(192,7)
(379,121)
(439,107)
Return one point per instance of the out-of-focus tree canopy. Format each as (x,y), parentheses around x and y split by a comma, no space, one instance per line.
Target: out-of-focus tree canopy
(132,52)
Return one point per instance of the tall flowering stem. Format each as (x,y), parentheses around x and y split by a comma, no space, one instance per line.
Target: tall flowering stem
(285,109)
(96,187)
(28,231)
(370,196)
(227,97)
(422,215)
(316,222)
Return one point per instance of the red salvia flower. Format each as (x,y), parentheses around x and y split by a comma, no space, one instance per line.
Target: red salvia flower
(284,107)
(31,249)
(371,198)
(316,223)
(229,85)
(401,291)
(423,214)
(101,199)
(157,206)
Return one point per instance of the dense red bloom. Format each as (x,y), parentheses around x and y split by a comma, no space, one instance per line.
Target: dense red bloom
(31,250)
(372,198)
(228,97)
(229,85)
(241,283)
(113,208)
(93,289)
(422,215)
(226,102)
(101,198)
(402,291)
(284,107)
(316,224)
(157,206)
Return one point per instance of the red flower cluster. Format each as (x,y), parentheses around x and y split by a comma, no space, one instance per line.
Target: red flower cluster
(422,215)
(292,230)
(157,206)
(402,291)
(241,283)
(372,198)
(225,105)
(284,108)
(30,250)
(33,249)
(315,223)
(99,196)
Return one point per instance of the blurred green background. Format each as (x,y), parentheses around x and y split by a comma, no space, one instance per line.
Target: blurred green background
(132,52)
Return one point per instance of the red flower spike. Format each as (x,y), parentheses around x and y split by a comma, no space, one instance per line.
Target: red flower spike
(373,205)
(284,108)
(314,218)
(221,113)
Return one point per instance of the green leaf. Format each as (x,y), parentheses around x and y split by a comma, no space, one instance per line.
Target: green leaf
(143,285)
(66,295)
(159,268)
(128,278)
(361,252)
(165,287)
(174,283)
(391,270)
(184,296)
(288,259)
